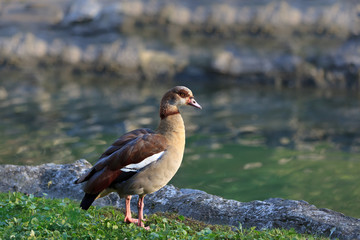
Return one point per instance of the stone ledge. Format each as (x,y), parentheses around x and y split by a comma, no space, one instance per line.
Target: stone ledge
(57,182)
(280,43)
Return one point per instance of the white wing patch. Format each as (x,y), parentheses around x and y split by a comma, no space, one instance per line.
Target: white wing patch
(137,166)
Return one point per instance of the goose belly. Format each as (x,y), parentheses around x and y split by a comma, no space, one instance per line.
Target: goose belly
(154,176)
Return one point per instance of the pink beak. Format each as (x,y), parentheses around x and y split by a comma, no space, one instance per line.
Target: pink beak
(192,102)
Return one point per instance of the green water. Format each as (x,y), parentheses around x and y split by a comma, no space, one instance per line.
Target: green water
(248,143)
(247,173)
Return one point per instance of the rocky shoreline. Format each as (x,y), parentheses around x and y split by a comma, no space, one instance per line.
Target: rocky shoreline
(279,43)
(57,182)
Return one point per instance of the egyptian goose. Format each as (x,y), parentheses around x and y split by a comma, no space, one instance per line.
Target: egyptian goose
(141,161)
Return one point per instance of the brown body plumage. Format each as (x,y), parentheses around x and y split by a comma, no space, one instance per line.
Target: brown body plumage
(141,161)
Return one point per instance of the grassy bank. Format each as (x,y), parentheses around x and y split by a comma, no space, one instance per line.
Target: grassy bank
(28,217)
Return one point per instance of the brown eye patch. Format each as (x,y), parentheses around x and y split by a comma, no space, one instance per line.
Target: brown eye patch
(183,94)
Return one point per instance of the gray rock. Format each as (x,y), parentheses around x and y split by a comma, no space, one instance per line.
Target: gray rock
(57,182)
(82,11)
(270,17)
(166,39)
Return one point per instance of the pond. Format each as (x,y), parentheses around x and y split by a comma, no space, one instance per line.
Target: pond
(248,143)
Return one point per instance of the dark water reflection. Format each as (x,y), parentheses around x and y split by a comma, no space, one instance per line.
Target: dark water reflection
(247,143)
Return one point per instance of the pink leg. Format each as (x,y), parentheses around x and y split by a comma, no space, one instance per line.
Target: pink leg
(141,214)
(128,218)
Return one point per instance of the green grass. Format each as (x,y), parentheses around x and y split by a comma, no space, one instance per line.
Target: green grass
(28,217)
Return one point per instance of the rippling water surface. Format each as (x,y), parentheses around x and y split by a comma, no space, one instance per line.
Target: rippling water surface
(248,143)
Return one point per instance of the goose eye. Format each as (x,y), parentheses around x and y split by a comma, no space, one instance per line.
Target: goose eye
(182,94)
